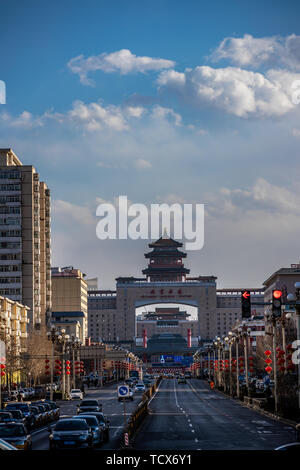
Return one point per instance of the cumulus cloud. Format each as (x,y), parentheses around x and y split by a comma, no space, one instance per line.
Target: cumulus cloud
(122,61)
(275,51)
(162,113)
(25,120)
(262,197)
(236,91)
(69,212)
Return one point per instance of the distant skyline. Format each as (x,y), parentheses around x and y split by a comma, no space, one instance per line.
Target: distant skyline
(165,101)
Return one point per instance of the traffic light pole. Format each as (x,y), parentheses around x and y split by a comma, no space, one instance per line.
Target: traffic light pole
(275,365)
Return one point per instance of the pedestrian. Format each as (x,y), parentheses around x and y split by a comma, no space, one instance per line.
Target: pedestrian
(212,384)
(19,396)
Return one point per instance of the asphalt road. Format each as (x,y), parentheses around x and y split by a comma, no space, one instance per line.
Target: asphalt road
(112,408)
(192,417)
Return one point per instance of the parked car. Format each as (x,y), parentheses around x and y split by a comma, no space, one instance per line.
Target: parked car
(16,434)
(103,421)
(24,407)
(55,408)
(6,417)
(89,405)
(71,433)
(18,416)
(37,415)
(76,394)
(93,423)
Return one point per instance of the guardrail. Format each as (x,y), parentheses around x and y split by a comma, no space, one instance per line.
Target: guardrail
(137,417)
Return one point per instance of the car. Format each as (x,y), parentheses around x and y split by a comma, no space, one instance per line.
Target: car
(129,382)
(16,434)
(104,422)
(55,408)
(24,407)
(76,394)
(89,405)
(93,423)
(181,380)
(44,413)
(5,417)
(139,388)
(37,415)
(70,433)
(18,417)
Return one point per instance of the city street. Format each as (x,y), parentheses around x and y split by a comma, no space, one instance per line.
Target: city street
(112,408)
(192,417)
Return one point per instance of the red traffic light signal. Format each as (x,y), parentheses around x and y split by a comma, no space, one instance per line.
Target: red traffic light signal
(277,294)
(246,304)
(246,294)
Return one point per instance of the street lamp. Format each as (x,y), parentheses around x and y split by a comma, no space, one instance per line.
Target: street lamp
(243,333)
(52,336)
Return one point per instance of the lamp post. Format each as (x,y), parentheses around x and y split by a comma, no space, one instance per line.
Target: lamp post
(229,340)
(74,345)
(52,336)
(63,338)
(244,332)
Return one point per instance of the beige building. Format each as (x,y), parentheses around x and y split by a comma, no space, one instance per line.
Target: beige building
(69,299)
(113,314)
(13,325)
(25,247)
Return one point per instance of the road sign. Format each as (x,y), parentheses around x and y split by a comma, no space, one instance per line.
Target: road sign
(123,391)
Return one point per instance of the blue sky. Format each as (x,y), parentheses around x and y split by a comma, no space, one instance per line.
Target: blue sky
(162,101)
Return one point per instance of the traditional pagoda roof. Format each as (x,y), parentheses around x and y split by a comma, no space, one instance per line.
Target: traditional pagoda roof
(164,242)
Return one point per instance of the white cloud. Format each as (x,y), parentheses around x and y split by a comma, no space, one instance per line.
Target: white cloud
(162,113)
(25,120)
(122,61)
(142,164)
(236,91)
(69,212)
(262,197)
(275,51)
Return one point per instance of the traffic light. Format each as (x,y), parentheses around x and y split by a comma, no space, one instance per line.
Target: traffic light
(276,303)
(246,304)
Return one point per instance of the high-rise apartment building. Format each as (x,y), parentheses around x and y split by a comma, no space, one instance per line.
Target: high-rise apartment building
(25,246)
(69,300)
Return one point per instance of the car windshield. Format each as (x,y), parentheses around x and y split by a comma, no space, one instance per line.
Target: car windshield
(91,420)
(72,425)
(16,413)
(89,403)
(12,430)
(76,390)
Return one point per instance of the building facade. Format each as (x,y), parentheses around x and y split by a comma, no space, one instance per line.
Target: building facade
(112,314)
(25,237)
(69,299)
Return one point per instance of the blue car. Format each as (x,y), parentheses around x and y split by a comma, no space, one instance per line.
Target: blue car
(93,423)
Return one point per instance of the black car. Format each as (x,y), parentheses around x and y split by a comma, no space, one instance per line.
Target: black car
(89,405)
(17,416)
(37,415)
(70,434)
(5,417)
(16,434)
(24,407)
(55,408)
(103,423)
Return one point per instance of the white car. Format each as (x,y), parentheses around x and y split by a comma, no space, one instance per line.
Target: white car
(76,394)
(140,388)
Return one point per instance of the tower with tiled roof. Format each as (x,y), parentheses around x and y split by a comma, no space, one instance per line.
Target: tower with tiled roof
(165,261)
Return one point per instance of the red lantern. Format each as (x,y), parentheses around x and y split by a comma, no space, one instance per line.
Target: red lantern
(268,369)
(268,352)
